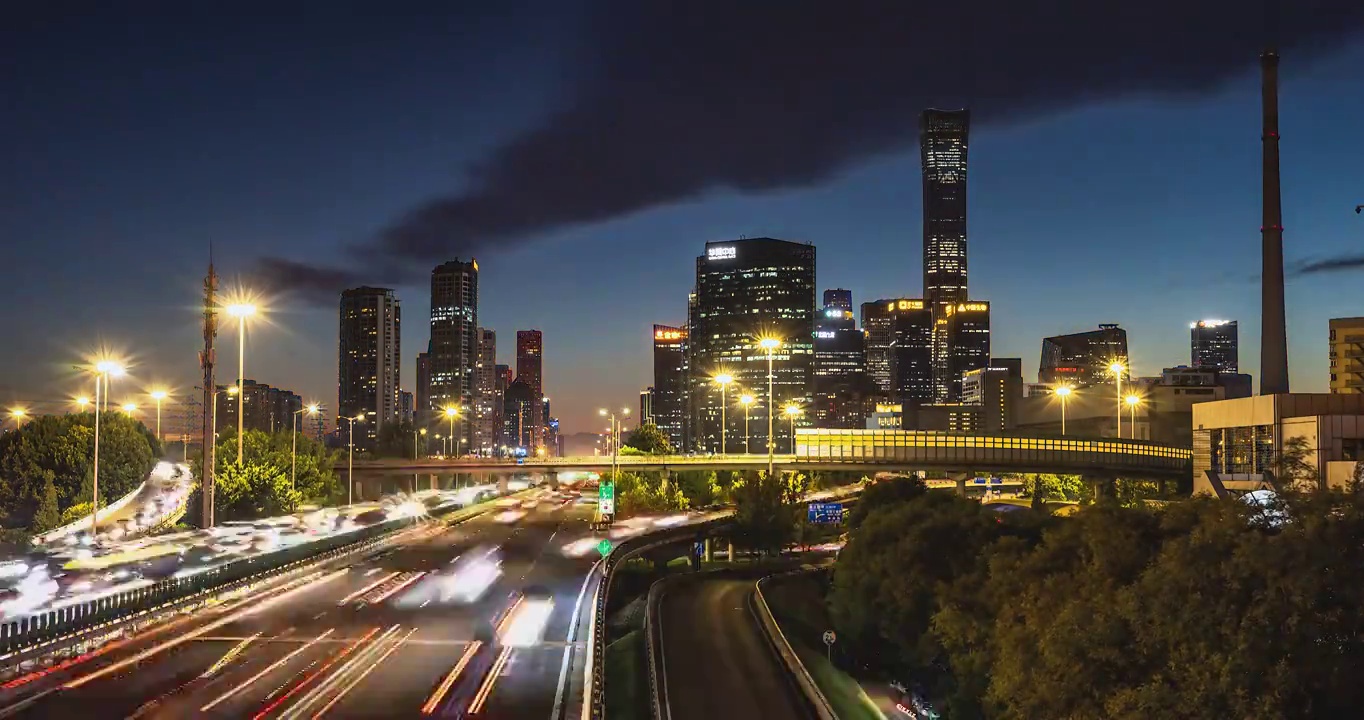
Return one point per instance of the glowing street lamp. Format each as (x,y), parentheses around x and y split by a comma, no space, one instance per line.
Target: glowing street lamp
(104,369)
(241,311)
(769,344)
(415,433)
(746,400)
(1132,402)
(1117,369)
(723,380)
(793,411)
(18,415)
(129,408)
(158,396)
(452,412)
(293,451)
(1063,392)
(81,402)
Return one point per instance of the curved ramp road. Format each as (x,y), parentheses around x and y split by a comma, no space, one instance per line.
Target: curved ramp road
(717,662)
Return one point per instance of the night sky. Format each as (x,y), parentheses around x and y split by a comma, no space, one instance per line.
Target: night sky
(585,151)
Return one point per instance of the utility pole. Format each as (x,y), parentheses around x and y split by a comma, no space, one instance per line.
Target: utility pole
(206,359)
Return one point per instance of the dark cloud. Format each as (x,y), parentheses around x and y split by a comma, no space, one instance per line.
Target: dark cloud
(1340,263)
(687,97)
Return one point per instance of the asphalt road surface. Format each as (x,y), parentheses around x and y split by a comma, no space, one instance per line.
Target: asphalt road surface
(372,640)
(717,662)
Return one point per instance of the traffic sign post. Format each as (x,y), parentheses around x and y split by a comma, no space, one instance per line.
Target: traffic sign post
(825,513)
(829,638)
(606,502)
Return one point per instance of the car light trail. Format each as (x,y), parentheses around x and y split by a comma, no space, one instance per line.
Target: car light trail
(528,624)
(367,588)
(119,666)
(311,697)
(272,667)
(280,700)
(351,685)
(229,657)
(507,616)
(486,689)
(433,702)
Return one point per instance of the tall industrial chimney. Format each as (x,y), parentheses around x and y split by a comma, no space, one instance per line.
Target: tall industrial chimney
(1273,326)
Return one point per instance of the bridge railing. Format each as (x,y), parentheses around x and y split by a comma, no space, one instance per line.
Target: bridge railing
(804,680)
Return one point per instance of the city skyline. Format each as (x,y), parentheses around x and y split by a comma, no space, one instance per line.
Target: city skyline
(1185,245)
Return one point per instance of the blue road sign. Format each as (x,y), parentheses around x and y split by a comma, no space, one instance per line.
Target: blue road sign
(825,513)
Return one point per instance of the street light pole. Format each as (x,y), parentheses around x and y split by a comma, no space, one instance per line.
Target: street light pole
(746,400)
(103,369)
(1117,369)
(241,311)
(770,344)
(350,461)
(293,452)
(723,379)
(158,396)
(1064,393)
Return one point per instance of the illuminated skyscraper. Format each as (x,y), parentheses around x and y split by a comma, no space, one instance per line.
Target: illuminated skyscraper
(668,396)
(530,346)
(486,405)
(745,290)
(1213,344)
(964,330)
(843,395)
(368,367)
(942,149)
(454,343)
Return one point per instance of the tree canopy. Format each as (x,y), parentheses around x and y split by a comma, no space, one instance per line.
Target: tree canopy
(58,450)
(646,494)
(1190,610)
(768,510)
(254,491)
(648,439)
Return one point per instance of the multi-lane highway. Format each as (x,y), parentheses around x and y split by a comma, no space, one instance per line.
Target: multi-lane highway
(716,660)
(381,637)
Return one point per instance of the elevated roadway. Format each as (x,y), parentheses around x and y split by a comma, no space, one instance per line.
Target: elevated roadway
(873,451)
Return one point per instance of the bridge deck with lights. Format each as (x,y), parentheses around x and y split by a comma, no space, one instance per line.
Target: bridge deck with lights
(872,450)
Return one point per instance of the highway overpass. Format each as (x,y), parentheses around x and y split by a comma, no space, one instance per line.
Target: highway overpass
(873,451)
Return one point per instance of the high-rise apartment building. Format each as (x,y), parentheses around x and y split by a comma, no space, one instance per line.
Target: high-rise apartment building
(421,406)
(267,409)
(485,394)
(530,348)
(405,406)
(454,343)
(943,154)
(1347,355)
(520,404)
(963,331)
(668,396)
(502,379)
(1082,359)
(747,290)
(368,371)
(1213,344)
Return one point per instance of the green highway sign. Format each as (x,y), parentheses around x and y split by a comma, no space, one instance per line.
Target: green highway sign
(604,547)
(606,491)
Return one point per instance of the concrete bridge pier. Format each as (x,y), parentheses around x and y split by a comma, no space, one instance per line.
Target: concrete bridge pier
(1100,485)
(961,479)
(553,479)
(502,484)
(707,552)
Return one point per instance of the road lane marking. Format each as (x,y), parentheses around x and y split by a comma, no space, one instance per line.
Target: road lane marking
(280,700)
(397,588)
(272,667)
(367,588)
(229,656)
(119,666)
(568,644)
(486,689)
(337,698)
(342,672)
(434,701)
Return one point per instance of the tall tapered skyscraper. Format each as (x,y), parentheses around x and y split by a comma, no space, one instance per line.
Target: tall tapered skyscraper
(942,150)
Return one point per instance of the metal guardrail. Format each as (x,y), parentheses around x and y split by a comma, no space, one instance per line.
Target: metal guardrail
(804,680)
(34,631)
(595,695)
(653,628)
